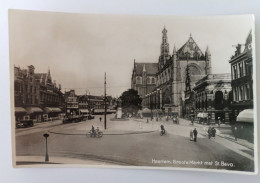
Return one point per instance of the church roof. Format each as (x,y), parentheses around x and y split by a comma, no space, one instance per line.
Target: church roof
(151,68)
(191,49)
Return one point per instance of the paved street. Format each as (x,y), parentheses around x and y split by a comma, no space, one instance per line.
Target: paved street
(131,142)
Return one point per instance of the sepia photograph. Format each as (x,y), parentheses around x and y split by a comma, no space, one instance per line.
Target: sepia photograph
(133,91)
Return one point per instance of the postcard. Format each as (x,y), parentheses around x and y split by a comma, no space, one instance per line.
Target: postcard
(133,91)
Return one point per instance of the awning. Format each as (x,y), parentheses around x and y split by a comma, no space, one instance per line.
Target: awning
(31,110)
(99,110)
(146,110)
(246,116)
(20,110)
(202,115)
(52,109)
(157,110)
(84,110)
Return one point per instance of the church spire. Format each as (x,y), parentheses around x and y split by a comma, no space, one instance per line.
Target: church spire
(165,44)
(164,56)
(144,70)
(49,75)
(207,51)
(174,50)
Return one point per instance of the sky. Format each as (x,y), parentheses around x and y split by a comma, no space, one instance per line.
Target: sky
(80,48)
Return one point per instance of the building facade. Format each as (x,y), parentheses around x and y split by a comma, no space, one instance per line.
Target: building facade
(242,76)
(96,104)
(35,94)
(144,78)
(169,91)
(213,95)
(72,103)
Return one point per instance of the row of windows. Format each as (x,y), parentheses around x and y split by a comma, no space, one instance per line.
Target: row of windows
(242,93)
(18,87)
(49,98)
(164,76)
(241,69)
(149,80)
(31,100)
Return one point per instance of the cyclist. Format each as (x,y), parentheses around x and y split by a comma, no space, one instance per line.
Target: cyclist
(97,130)
(162,129)
(93,132)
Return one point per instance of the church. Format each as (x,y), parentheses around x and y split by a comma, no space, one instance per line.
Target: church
(162,85)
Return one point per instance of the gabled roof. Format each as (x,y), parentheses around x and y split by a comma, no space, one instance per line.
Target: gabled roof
(151,68)
(92,97)
(190,48)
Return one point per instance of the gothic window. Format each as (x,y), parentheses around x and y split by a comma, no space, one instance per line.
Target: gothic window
(196,55)
(138,80)
(148,80)
(153,80)
(187,55)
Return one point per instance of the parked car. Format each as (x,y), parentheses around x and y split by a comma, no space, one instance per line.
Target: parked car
(24,123)
(74,118)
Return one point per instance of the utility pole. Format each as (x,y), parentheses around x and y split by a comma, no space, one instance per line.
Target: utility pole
(105,99)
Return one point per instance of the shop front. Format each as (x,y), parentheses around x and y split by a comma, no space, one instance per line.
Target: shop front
(35,113)
(20,112)
(51,113)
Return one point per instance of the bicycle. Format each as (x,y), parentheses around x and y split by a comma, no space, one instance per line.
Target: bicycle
(163,133)
(96,134)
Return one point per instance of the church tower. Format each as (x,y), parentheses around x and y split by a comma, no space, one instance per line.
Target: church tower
(144,81)
(175,79)
(164,55)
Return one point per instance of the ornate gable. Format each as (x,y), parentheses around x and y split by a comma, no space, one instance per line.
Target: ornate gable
(190,50)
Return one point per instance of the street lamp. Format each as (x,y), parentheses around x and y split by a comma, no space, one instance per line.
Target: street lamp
(105,99)
(46,135)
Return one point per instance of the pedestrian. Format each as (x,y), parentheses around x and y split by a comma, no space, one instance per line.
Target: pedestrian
(213,132)
(235,133)
(93,131)
(195,133)
(100,118)
(218,121)
(192,120)
(209,132)
(191,135)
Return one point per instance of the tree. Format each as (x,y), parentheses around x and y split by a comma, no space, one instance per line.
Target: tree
(131,101)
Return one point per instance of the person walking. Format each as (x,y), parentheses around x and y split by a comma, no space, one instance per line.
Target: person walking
(213,132)
(195,133)
(218,121)
(192,120)
(191,135)
(209,132)
(235,133)
(100,118)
